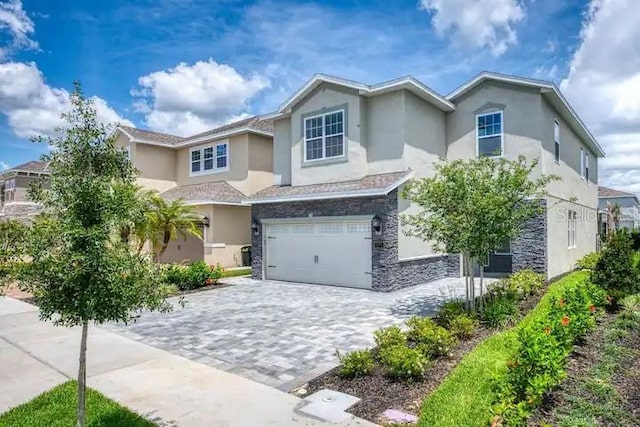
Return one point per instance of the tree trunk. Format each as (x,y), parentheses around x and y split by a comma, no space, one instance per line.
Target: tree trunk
(472,283)
(465,270)
(481,286)
(165,243)
(82,376)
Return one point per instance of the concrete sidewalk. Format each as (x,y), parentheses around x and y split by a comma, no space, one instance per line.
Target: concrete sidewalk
(169,390)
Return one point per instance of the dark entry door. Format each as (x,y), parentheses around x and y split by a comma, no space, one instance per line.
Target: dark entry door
(500,260)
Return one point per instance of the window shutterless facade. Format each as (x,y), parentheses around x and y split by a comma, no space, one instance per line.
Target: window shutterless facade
(586,166)
(582,163)
(209,159)
(556,140)
(324,136)
(490,134)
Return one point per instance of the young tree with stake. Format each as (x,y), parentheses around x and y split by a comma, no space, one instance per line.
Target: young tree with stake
(81,269)
(471,206)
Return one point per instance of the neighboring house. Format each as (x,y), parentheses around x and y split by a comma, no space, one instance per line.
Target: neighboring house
(214,171)
(343,150)
(629,207)
(14,187)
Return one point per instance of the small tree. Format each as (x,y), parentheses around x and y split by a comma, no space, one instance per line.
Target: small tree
(13,235)
(615,270)
(168,220)
(471,206)
(82,271)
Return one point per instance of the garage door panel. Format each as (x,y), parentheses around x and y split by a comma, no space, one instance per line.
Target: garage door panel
(331,253)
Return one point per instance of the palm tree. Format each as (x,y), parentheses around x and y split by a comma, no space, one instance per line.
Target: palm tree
(614,212)
(166,220)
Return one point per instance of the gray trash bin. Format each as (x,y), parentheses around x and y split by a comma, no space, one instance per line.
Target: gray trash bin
(246,256)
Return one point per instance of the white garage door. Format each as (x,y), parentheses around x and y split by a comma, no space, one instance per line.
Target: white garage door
(336,252)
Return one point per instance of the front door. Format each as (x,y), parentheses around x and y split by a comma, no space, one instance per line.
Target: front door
(500,260)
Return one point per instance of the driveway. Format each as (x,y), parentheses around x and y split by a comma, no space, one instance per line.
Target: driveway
(281,334)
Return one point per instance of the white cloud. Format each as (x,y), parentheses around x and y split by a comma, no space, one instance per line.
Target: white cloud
(188,99)
(34,108)
(15,22)
(476,23)
(4,166)
(604,86)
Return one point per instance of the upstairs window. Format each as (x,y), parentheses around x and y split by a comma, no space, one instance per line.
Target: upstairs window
(556,140)
(324,136)
(10,190)
(490,136)
(586,166)
(210,159)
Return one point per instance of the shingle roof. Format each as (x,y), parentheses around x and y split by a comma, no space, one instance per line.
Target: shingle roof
(369,185)
(148,135)
(220,191)
(36,166)
(610,192)
(253,123)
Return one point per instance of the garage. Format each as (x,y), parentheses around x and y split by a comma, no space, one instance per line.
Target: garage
(329,251)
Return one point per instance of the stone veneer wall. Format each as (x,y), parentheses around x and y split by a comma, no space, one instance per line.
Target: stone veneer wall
(22,211)
(388,272)
(530,247)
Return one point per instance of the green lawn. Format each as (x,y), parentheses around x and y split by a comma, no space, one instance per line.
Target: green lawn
(57,408)
(465,396)
(239,272)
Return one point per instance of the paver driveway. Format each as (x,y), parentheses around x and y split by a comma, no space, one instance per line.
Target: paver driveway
(280,333)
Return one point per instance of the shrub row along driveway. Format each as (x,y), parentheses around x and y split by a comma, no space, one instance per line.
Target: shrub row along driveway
(280,333)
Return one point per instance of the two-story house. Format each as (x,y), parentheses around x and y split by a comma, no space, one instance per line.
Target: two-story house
(344,149)
(14,190)
(629,207)
(213,171)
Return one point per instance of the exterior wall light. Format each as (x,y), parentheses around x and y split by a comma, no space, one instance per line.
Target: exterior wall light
(376,224)
(255,226)
(206,222)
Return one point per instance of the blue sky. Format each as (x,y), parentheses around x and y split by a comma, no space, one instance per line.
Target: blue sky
(182,66)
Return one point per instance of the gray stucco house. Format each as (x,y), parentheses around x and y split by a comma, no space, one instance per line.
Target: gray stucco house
(344,149)
(629,207)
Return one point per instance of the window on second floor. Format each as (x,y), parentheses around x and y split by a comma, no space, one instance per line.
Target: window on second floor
(10,190)
(584,164)
(210,159)
(556,140)
(489,129)
(324,136)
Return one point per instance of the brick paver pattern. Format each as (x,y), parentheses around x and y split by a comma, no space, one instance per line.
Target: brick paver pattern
(277,333)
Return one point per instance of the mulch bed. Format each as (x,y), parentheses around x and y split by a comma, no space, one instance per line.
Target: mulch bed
(585,356)
(379,392)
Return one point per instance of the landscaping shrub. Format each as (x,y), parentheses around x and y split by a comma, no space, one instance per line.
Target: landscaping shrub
(635,236)
(403,362)
(448,310)
(175,274)
(500,311)
(356,363)
(589,261)
(519,285)
(463,326)
(631,307)
(431,339)
(615,270)
(543,348)
(389,337)
(194,276)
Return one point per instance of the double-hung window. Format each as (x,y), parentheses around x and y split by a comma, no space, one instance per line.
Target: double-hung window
(209,159)
(584,164)
(556,140)
(10,190)
(324,136)
(571,228)
(489,129)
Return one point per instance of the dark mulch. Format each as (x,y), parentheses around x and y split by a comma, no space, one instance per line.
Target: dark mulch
(586,356)
(379,392)
(202,289)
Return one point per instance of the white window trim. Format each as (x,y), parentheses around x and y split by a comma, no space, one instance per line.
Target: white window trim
(586,166)
(127,150)
(478,138)
(215,169)
(8,188)
(495,252)
(582,163)
(324,136)
(556,140)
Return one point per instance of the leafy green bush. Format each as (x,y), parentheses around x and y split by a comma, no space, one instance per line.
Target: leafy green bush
(356,363)
(631,306)
(463,326)
(389,337)
(432,340)
(175,274)
(500,312)
(194,276)
(615,270)
(589,261)
(635,236)
(403,362)
(518,286)
(543,349)
(448,310)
